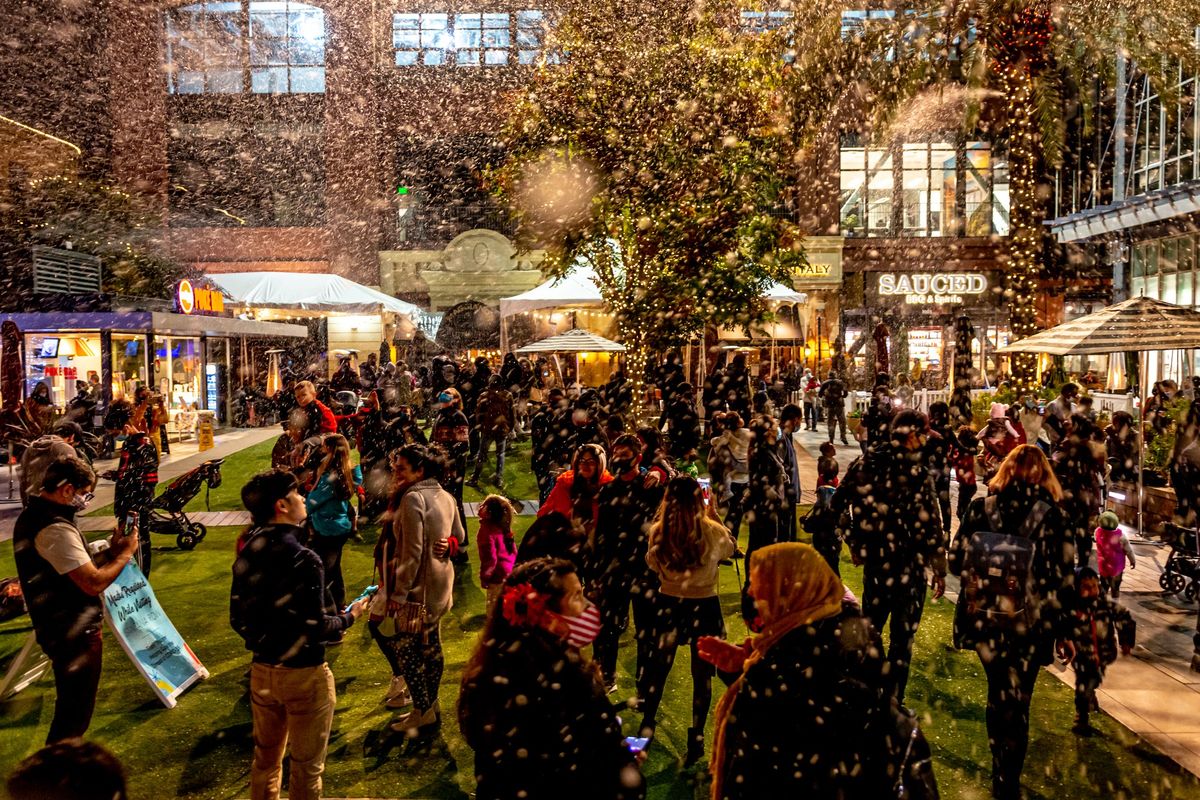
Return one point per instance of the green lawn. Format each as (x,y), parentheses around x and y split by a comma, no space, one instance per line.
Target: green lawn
(201,749)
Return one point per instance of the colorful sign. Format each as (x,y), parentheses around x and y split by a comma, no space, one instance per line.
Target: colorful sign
(197,299)
(147,636)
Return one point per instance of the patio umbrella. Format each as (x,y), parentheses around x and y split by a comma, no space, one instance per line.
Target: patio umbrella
(12,372)
(1138,324)
(576,340)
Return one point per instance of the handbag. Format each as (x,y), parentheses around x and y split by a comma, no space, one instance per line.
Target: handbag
(409,617)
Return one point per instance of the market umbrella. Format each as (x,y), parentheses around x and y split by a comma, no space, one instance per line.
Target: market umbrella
(12,371)
(1138,324)
(576,340)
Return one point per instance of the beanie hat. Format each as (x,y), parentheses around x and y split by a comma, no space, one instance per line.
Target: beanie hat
(1109,521)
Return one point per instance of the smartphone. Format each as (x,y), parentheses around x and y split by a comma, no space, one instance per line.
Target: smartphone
(131,522)
(636,744)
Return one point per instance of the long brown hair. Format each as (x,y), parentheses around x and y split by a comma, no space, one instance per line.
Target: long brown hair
(337,463)
(1026,464)
(677,536)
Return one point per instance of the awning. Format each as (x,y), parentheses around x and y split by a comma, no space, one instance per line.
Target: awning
(576,340)
(1139,324)
(309,291)
(155,322)
(778,293)
(1144,209)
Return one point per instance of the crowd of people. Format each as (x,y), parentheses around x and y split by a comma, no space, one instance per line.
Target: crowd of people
(632,525)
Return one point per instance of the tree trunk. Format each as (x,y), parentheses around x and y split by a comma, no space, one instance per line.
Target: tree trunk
(1026,233)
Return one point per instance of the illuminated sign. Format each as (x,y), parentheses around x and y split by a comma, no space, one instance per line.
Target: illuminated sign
(923,288)
(185,297)
(195,299)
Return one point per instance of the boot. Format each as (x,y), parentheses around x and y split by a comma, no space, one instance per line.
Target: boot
(418,724)
(695,746)
(1082,726)
(398,695)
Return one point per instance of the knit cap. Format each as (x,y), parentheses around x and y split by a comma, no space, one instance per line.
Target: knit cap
(1109,521)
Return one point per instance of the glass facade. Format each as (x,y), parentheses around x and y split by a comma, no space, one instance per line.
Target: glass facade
(1164,147)
(469,39)
(59,360)
(1165,269)
(268,47)
(128,364)
(911,189)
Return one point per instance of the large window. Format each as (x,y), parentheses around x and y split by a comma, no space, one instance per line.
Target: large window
(233,47)
(469,39)
(912,189)
(760,21)
(1164,147)
(257,174)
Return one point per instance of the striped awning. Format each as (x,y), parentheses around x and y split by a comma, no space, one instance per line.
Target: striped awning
(576,340)
(1138,324)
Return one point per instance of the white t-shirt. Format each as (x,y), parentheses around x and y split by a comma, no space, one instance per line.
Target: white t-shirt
(63,546)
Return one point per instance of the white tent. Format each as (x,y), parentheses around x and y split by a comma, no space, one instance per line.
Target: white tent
(778,293)
(309,291)
(578,288)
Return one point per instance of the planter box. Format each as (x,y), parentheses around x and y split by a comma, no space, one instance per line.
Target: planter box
(853,424)
(1158,506)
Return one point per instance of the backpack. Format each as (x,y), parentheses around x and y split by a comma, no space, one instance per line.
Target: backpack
(998,585)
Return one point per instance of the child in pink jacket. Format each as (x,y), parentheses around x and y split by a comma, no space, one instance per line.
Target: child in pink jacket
(497,548)
(1112,548)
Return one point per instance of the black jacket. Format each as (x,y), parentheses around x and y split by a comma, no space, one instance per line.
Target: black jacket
(1054,563)
(619,552)
(1095,625)
(810,717)
(891,513)
(277,603)
(547,731)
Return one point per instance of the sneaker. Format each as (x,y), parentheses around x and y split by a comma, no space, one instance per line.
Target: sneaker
(845,443)
(473,483)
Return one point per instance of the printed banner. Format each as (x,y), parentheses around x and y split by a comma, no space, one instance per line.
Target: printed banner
(149,639)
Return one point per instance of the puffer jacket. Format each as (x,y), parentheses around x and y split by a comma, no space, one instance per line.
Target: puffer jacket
(328,510)
(1053,566)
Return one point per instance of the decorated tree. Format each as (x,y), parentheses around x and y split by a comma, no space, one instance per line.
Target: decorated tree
(1029,62)
(122,229)
(656,151)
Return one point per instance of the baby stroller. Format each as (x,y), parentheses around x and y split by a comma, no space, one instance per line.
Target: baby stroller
(1183,565)
(166,512)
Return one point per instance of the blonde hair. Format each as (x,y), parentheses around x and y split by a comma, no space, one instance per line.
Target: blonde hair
(1026,464)
(677,535)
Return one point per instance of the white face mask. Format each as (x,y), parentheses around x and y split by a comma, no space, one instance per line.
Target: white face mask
(82,501)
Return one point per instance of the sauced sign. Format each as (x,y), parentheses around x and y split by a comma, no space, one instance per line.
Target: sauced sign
(922,288)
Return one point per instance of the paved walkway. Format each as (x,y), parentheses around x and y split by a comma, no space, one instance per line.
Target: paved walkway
(1153,692)
(184,456)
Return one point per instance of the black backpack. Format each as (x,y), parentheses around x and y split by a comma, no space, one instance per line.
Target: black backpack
(998,589)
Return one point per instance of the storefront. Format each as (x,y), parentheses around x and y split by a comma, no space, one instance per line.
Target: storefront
(189,358)
(919,310)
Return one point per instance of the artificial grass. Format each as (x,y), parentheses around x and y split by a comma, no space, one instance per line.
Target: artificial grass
(202,749)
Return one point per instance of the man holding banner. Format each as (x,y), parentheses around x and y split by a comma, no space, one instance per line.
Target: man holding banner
(62,586)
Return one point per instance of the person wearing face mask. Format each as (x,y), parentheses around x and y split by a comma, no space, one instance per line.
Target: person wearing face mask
(895,533)
(627,505)
(136,475)
(452,432)
(576,492)
(536,738)
(62,586)
(687,542)
(549,436)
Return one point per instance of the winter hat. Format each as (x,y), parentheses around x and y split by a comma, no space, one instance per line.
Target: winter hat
(999,411)
(1109,521)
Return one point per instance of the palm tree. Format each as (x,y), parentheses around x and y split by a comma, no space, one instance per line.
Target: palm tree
(1029,55)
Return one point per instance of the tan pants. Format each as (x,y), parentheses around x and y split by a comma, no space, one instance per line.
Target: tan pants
(290,706)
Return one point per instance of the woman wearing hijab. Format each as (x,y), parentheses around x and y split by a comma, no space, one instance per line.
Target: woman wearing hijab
(797,723)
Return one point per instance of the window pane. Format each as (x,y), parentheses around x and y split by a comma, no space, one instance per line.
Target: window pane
(406,58)
(308,80)
(269,80)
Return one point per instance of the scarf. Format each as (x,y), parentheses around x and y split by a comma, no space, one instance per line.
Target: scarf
(798,588)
